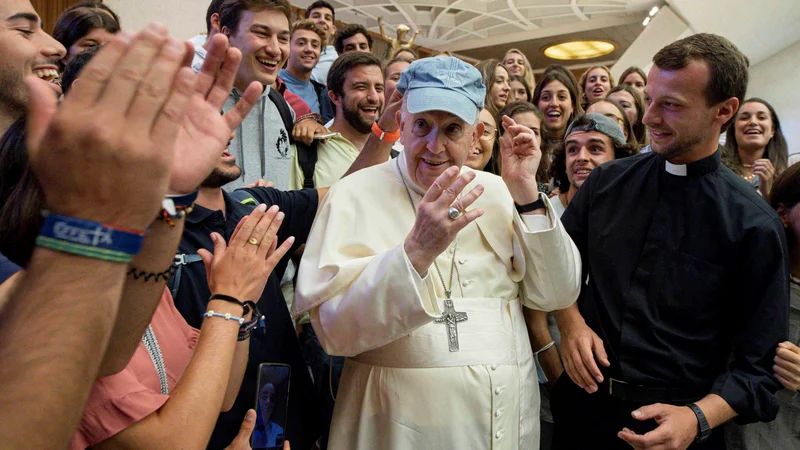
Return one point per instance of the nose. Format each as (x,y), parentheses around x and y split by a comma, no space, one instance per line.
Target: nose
(583,154)
(51,48)
(650,117)
(434,144)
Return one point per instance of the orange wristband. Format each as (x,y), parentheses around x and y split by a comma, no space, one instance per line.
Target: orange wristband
(383,135)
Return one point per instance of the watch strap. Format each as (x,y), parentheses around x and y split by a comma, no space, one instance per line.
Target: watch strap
(385,136)
(538,204)
(704,429)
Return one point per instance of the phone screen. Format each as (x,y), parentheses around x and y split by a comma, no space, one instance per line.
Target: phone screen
(272,401)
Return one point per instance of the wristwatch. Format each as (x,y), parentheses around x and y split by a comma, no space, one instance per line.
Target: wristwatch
(385,136)
(538,204)
(704,430)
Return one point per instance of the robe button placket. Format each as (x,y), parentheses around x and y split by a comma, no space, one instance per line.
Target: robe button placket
(498,435)
(462,261)
(494,366)
(499,412)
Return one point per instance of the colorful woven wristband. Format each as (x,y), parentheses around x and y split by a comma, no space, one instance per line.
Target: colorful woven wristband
(88,238)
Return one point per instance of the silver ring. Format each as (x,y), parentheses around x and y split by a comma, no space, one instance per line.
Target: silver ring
(454,213)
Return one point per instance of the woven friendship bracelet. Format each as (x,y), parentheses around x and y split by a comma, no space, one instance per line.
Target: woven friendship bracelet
(88,238)
(83,250)
(176,207)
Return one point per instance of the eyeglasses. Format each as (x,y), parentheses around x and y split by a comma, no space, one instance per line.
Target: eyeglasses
(489,132)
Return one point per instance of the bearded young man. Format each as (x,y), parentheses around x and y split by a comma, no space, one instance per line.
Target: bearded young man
(356,88)
(686,275)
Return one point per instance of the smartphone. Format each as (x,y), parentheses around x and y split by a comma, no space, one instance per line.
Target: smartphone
(272,403)
(325,136)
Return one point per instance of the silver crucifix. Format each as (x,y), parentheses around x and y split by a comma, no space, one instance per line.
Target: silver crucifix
(451,317)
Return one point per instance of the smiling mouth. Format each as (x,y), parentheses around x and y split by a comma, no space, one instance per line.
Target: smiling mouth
(269,64)
(753,132)
(431,162)
(49,75)
(370,109)
(598,91)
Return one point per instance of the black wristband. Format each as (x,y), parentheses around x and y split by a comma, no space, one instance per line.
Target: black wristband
(246,308)
(538,204)
(703,428)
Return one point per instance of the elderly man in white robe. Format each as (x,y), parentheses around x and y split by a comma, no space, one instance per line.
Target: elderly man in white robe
(417,270)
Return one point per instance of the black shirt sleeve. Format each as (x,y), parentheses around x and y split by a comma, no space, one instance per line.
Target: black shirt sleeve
(760,311)
(300,208)
(7,269)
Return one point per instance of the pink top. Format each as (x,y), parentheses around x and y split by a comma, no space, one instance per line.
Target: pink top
(118,401)
(299,105)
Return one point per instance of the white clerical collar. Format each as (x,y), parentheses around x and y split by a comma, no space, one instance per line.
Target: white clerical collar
(676,169)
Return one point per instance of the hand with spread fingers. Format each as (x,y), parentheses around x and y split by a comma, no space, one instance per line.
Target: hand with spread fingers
(677,428)
(440,216)
(520,154)
(389,120)
(119,124)
(204,133)
(242,267)
(787,365)
(766,175)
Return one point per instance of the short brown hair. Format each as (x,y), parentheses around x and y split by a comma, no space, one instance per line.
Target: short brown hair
(230,13)
(728,65)
(341,67)
(309,25)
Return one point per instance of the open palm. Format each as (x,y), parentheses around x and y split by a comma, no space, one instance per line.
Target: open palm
(520,153)
(204,132)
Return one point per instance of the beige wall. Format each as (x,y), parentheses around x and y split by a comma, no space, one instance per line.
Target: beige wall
(184,18)
(775,80)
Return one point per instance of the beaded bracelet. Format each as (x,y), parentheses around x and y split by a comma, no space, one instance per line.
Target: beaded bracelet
(317,118)
(176,207)
(226,316)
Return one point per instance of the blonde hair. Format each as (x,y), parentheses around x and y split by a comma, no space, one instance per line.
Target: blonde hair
(528,76)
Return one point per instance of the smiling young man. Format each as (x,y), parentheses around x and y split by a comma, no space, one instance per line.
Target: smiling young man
(356,88)
(263,145)
(353,38)
(685,295)
(370,279)
(25,49)
(306,42)
(323,14)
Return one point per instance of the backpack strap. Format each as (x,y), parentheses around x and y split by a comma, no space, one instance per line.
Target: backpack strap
(181,259)
(306,154)
(283,108)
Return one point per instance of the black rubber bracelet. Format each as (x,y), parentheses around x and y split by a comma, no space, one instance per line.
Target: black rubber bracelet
(227,298)
(538,204)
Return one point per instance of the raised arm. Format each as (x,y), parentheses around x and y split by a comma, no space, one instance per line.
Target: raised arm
(211,379)
(202,137)
(376,151)
(57,323)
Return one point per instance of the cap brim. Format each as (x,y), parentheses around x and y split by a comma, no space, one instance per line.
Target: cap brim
(438,99)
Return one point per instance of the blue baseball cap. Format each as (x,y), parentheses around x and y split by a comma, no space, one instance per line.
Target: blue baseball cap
(443,84)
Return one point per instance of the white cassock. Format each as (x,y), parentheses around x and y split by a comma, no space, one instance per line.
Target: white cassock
(402,387)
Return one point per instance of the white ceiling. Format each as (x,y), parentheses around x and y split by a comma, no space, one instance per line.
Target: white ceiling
(458,25)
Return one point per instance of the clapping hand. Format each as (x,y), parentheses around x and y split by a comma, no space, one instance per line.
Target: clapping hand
(204,133)
(520,153)
(242,267)
(766,175)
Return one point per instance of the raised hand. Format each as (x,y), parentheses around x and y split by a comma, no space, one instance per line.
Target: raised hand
(105,154)
(389,121)
(520,153)
(204,133)
(766,175)
(241,268)
(433,229)
(305,130)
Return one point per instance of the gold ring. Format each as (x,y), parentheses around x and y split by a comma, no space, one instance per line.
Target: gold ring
(253,241)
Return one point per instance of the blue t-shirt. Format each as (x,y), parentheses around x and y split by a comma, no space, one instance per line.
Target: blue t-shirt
(7,268)
(303,89)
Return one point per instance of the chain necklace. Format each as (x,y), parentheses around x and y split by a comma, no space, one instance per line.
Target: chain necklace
(151,344)
(447,289)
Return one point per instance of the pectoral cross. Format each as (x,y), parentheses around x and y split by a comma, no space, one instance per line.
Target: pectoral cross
(451,317)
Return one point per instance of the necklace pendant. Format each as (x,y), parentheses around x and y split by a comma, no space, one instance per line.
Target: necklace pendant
(447,293)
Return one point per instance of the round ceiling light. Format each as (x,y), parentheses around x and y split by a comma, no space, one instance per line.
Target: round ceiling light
(573,50)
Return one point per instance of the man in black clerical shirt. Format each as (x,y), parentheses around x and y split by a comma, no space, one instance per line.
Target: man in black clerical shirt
(275,342)
(686,277)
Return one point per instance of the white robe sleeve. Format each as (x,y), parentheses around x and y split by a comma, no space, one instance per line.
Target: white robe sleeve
(552,263)
(382,304)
